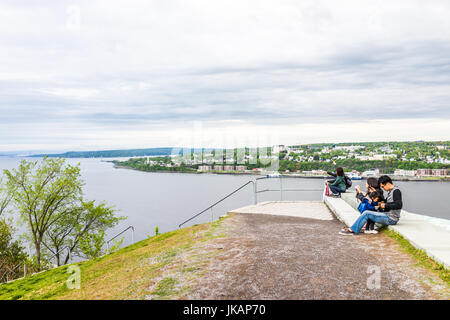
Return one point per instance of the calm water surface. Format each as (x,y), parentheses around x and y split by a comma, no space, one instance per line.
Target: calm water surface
(167,199)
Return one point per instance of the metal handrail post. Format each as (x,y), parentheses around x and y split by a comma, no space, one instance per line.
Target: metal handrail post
(324,192)
(132,236)
(281,188)
(255,192)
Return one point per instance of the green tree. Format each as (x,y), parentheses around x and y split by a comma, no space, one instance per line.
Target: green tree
(12,253)
(48,196)
(5,196)
(91,245)
(86,224)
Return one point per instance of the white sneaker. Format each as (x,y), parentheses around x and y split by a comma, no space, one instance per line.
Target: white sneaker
(371,231)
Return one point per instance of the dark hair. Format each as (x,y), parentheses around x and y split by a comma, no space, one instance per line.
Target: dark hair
(340,172)
(384,180)
(373,182)
(376,194)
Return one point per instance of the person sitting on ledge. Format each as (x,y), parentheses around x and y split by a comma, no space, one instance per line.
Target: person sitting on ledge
(338,186)
(390,210)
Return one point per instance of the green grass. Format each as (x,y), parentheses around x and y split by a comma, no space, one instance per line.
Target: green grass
(421,257)
(125,274)
(165,288)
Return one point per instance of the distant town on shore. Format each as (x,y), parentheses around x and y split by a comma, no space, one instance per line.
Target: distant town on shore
(403,160)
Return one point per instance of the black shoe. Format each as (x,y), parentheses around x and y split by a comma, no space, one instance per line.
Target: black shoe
(334,195)
(346,233)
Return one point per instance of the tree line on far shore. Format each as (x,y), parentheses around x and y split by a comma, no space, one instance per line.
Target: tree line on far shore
(386,166)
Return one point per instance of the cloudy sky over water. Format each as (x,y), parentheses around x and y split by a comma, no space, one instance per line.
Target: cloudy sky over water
(86,75)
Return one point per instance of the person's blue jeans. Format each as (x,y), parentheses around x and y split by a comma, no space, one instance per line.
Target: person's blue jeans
(377,217)
(336,190)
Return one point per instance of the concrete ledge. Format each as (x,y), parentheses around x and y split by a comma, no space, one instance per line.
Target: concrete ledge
(342,210)
(429,234)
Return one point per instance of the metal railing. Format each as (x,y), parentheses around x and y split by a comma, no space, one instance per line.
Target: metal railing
(120,233)
(281,189)
(8,272)
(219,201)
(64,248)
(255,194)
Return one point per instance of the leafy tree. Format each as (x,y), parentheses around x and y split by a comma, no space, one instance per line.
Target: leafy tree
(12,253)
(91,245)
(86,224)
(5,196)
(48,196)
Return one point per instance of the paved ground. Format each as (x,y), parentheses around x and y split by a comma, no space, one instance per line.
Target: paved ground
(282,257)
(427,233)
(303,209)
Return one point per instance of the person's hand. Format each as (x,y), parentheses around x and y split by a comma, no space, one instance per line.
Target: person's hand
(326,182)
(377,207)
(358,188)
(383,205)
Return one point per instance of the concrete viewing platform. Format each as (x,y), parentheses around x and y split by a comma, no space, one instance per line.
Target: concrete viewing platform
(293,250)
(429,234)
(301,209)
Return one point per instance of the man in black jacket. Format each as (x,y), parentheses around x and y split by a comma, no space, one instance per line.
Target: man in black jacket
(390,210)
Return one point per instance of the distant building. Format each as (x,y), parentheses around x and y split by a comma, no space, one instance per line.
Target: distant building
(204,168)
(349,148)
(371,173)
(315,173)
(241,168)
(432,172)
(404,173)
(440,172)
(279,148)
(363,158)
(384,156)
(228,168)
(218,168)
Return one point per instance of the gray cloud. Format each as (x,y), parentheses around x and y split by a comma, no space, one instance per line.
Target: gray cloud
(149,66)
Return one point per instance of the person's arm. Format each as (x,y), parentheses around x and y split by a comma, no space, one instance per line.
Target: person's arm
(332,174)
(334,182)
(397,203)
(337,181)
(360,196)
(372,206)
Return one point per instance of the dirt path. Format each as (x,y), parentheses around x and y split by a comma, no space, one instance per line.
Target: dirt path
(282,257)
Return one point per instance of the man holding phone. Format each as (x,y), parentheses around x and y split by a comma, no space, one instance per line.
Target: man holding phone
(390,210)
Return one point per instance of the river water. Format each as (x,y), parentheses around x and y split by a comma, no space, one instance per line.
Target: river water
(167,199)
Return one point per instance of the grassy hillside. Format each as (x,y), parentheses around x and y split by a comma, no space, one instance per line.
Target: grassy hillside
(149,269)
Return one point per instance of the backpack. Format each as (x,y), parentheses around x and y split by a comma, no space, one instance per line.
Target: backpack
(348,182)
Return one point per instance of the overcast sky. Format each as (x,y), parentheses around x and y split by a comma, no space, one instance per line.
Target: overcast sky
(83,75)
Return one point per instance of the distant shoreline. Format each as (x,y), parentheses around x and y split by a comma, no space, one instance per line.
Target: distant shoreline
(394,178)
